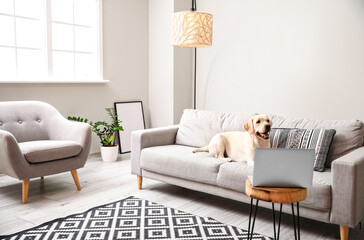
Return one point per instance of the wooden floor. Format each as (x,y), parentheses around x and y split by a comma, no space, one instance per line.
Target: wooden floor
(56,196)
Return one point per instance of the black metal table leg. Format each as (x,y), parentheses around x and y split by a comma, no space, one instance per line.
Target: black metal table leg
(250,216)
(255,214)
(294,222)
(279,221)
(276,236)
(298,220)
(250,233)
(274,222)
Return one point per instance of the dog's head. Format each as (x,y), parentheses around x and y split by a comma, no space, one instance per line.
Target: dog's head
(259,125)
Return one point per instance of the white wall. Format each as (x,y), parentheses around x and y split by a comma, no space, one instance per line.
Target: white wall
(295,58)
(160,63)
(170,79)
(183,67)
(125,25)
(183,82)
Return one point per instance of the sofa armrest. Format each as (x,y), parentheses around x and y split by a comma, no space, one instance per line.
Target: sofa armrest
(12,160)
(347,189)
(141,139)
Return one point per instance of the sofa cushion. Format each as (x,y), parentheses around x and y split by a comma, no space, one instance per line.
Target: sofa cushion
(349,133)
(295,138)
(179,161)
(233,176)
(197,127)
(319,195)
(49,150)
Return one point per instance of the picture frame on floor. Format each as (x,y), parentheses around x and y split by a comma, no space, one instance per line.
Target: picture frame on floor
(131,114)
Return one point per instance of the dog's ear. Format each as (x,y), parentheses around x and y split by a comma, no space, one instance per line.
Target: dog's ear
(249,126)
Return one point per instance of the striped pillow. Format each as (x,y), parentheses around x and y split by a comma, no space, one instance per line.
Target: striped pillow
(295,138)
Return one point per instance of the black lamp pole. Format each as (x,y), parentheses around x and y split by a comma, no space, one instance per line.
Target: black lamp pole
(194,82)
(194,8)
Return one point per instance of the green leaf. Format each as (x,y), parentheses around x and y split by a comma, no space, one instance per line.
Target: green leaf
(102,129)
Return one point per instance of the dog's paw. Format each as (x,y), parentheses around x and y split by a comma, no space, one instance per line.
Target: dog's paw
(194,151)
(228,159)
(250,162)
(225,159)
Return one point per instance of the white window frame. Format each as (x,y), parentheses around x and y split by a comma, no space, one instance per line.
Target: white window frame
(49,50)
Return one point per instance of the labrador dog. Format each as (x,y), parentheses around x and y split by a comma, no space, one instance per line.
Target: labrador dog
(240,145)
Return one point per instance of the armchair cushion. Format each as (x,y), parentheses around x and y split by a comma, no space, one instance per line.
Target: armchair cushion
(49,150)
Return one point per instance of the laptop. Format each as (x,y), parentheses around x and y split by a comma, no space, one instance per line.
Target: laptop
(280,167)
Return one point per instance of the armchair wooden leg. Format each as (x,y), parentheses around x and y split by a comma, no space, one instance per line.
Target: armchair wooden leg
(42,178)
(140,182)
(75,178)
(25,190)
(344,232)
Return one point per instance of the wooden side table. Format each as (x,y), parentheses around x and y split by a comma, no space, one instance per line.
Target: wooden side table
(275,195)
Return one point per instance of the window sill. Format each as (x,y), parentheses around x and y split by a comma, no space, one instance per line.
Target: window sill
(53,81)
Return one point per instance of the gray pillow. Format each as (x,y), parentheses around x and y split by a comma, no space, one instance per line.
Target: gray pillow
(295,138)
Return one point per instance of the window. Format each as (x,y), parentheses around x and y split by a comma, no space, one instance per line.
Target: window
(50,40)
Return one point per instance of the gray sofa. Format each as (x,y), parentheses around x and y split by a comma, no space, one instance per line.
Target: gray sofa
(337,194)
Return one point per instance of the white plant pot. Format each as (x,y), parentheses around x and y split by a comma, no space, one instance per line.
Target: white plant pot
(109,154)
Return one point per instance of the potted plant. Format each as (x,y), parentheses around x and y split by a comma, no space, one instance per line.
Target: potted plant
(107,134)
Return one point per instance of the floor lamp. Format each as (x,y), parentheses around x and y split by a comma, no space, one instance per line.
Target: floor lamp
(192,29)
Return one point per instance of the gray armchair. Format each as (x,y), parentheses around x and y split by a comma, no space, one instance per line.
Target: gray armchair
(36,141)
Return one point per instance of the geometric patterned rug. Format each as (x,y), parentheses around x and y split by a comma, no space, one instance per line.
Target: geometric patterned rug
(132,218)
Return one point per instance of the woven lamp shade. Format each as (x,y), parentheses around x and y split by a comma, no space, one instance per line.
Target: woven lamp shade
(191,29)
